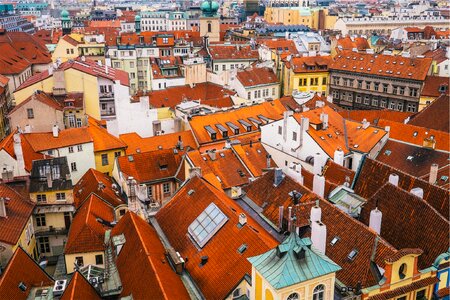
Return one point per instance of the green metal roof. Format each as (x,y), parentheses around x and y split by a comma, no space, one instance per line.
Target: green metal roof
(293,261)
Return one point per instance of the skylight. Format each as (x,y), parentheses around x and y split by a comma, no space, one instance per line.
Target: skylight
(334,240)
(207,224)
(351,256)
(387,152)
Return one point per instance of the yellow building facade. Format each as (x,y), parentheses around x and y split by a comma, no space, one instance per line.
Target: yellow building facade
(314,18)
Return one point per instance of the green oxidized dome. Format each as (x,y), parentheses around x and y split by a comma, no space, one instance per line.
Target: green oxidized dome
(209,8)
(137,18)
(64,14)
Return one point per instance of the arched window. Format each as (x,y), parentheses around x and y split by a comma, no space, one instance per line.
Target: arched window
(209,27)
(402,271)
(319,292)
(293,296)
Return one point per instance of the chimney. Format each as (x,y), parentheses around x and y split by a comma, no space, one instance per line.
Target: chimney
(19,153)
(195,171)
(3,207)
(319,185)
(180,143)
(286,116)
(227,144)
(433,173)
(278,177)
(212,154)
(387,128)
(106,69)
(27,128)
(317,164)
(417,191)
(280,216)
(375,220)
(242,219)
(295,196)
(339,157)
(289,219)
(324,119)
(316,213)
(319,236)
(393,179)
(268,160)
(55,130)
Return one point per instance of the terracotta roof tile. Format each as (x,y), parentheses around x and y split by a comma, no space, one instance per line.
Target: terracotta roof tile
(232,52)
(347,43)
(337,174)
(41,97)
(416,135)
(431,116)
(95,182)
(143,256)
(86,233)
(254,76)
(137,143)
(18,212)
(41,141)
(374,174)
(373,116)
(152,165)
(11,61)
(432,86)
(309,64)
(253,156)
(225,267)
(22,268)
(103,140)
(283,45)
(79,288)
(438,55)
(382,65)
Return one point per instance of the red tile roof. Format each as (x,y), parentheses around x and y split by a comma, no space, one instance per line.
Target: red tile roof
(432,85)
(143,256)
(18,213)
(79,288)
(210,92)
(137,143)
(254,76)
(41,97)
(431,116)
(22,269)
(309,64)
(91,183)
(382,65)
(103,140)
(152,165)
(253,156)
(105,23)
(287,46)
(409,222)
(417,135)
(438,55)
(71,40)
(41,141)
(347,43)
(225,267)
(86,233)
(373,116)
(11,61)
(232,52)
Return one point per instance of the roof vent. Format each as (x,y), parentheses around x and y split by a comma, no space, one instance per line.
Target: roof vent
(204,260)
(242,219)
(22,286)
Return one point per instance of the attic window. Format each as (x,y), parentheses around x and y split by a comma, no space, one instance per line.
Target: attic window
(242,248)
(409,158)
(233,127)
(130,158)
(444,178)
(334,240)
(212,133)
(375,131)
(387,152)
(246,125)
(163,165)
(351,256)
(415,133)
(355,146)
(322,138)
(207,224)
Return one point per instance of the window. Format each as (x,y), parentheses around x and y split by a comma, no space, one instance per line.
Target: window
(79,124)
(116,154)
(223,67)
(249,95)
(149,191)
(30,113)
(73,166)
(368,85)
(60,196)
(237,293)
(67,51)
(79,261)
(207,224)
(385,88)
(280,130)
(376,86)
(105,160)
(374,101)
(70,149)
(413,92)
(319,292)
(358,98)
(40,220)
(41,198)
(166,188)
(360,84)
(402,271)
(392,105)
(335,94)
(366,100)
(80,148)
(383,103)
(400,106)
(293,296)
(420,295)
(411,107)
(402,298)
(44,244)
(71,51)
(294,136)
(209,27)
(99,259)
(324,80)
(314,81)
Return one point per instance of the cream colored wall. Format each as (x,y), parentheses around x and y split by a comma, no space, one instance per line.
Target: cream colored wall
(88,259)
(214,35)
(61,51)
(195,73)
(44,117)
(51,197)
(45,85)
(31,245)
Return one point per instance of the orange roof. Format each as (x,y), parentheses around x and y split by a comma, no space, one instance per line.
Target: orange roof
(272,110)
(347,43)
(256,76)
(41,141)
(431,116)
(152,165)
(103,140)
(79,288)
(374,115)
(416,135)
(18,213)
(279,44)
(22,269)
(41,97)
(143,256)
(232,52)
(11,61)
(382,65)
(309,64)
(95,182)
(253,156)
(432,86)
(70,40)
(226,267)
(86,233)
(137,143)
(105,23)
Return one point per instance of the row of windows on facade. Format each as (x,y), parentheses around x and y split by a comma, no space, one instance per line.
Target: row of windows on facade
(166,189)
(395,89)
(73,121)
(41,221)
(24,76)
(375,101)
(42,198)
(105,160)
(70,51)
(143,53)
(257,93)
(232,67)
(311,81)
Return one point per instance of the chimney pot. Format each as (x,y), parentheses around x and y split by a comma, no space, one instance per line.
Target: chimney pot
(375,220)
(393,179)
(433,173)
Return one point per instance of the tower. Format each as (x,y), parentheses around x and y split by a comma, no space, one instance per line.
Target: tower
(209,21)
(65,22)
(137,24)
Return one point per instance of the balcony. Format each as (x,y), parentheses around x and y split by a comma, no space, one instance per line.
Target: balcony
(59,91)
(50,230)
(104,96)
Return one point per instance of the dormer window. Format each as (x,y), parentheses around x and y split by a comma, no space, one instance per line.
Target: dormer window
(212,133)
(402,271)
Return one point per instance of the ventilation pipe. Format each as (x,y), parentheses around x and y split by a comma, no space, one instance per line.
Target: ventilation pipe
(433,173)
(393,179)
(417,191)
(319,185)
(339,157)
(375,220)
(316,213)
(55,131)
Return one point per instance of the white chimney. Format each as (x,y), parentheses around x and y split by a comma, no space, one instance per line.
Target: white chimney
(317,169)
(295,172)
(212,154)
(324,119)
(106,69)
(27,128)
(19,153)
(242,219)
(286,116)
(433,173)
(305,124)
(375,220)
(393,179)
(316,213)
(417,191)
(3,207)
(339,157)
(319,185)
(55,130)
(387,128)
(319,236)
